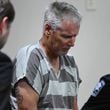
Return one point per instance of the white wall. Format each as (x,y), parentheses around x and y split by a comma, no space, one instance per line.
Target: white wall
(92,47)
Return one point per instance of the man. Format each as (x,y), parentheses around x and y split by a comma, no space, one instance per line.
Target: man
(100,97)
(7,14)
(45,78)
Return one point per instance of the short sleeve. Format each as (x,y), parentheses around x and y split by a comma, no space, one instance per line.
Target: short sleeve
(27,66)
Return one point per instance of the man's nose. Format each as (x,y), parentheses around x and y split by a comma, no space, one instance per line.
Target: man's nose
(72,41)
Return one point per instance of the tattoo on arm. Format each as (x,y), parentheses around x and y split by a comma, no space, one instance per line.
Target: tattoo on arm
(18,96)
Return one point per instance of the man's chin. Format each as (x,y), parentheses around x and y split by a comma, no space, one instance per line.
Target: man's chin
(1,45)
(63,53)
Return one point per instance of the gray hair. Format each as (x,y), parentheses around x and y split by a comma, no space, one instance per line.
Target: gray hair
(57,11)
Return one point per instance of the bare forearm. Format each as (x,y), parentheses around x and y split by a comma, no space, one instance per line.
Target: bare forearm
(23,104)
(27,98)
(75,108)
(75,105)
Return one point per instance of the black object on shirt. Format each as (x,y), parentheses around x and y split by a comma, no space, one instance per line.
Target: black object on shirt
(100,98)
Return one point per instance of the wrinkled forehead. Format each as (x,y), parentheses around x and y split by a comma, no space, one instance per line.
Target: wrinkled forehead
(69,26)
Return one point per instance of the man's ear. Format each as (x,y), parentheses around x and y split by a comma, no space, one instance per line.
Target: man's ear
(3,24)
(48,30)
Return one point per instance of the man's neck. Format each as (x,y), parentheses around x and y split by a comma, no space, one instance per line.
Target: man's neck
(52,57)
